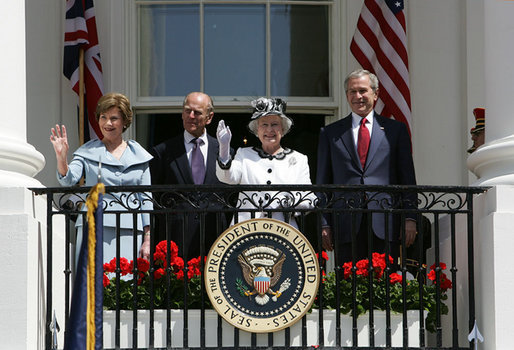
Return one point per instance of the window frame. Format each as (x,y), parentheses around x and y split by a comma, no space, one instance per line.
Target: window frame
(328,105)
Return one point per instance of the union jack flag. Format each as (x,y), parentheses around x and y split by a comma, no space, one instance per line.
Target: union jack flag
(380,46)
(80,31)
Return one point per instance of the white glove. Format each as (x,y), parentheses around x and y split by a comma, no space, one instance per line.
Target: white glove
(224,136)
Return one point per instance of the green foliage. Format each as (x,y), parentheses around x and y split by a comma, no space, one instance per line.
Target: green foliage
(164,295)
(398,297)
(168,285)
(241,287)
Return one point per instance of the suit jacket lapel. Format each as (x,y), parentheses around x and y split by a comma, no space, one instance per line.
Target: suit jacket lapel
(349,142)
(212,156)
(377,136)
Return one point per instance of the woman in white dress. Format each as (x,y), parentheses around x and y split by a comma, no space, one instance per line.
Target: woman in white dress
(270,164)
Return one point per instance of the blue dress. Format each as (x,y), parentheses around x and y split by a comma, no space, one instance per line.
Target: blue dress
(131,169)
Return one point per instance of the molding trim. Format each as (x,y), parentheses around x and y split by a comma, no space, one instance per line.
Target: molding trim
(493,163)
(19,163)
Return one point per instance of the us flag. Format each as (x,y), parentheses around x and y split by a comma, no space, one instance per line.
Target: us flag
(80,31)
(380,46)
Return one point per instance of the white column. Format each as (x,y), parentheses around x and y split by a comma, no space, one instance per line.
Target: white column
(19,161)
(494,304)
(22,252)
(493,163)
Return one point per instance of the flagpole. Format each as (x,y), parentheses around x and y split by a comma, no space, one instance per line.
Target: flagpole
(81,96)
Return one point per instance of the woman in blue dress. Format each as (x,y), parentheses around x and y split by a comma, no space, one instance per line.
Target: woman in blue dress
(124,163)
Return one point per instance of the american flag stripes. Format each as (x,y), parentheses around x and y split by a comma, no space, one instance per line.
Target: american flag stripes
(380,46)
(80,31)
(261,284)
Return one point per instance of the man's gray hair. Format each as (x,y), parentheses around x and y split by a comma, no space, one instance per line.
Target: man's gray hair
(358,73)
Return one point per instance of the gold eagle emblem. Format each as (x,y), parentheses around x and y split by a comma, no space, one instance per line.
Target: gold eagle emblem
(262,269)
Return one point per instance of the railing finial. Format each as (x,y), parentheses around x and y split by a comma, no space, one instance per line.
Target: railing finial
(99,179)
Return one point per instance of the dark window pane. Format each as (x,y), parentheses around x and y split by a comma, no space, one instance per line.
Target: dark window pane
(299,50)
(153,129)
(235,50)
(169,50)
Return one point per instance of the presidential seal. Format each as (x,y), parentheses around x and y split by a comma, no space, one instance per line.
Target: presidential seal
(262,275)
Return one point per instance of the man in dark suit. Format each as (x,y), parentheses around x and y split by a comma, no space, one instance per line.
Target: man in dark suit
(382,156)
(173,164)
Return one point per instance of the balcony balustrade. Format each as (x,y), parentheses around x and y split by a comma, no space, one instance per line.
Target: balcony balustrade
(444,221)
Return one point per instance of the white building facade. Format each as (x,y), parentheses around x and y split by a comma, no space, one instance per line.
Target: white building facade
(459,53)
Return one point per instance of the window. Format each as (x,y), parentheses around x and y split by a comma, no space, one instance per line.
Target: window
(234,49)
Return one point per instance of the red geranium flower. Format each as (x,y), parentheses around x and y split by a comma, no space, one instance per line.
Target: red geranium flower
(377,285)
(445,282)
(347,268)
(159,273)
(442,265)
(431,275)
(159,257)
(143,265)
(106,280)
(193,267)
(108,267)
(362,267)
(125,266)
(395,278)
(379,264)
(162,248)
(324,255)
(177,263)
(171,267)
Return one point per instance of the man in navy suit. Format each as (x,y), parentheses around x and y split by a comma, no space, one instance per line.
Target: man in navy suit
(171,165)
(388,161)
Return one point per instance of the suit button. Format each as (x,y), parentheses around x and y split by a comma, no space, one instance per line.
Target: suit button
(268,182)
(269,170)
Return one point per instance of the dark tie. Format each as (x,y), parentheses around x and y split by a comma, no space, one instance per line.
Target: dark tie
(363,142)
(197,163)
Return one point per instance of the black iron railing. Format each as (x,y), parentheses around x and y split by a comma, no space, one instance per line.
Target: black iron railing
(440,213)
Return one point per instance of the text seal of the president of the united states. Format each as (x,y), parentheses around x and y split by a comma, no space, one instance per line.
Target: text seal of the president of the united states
(262,275)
